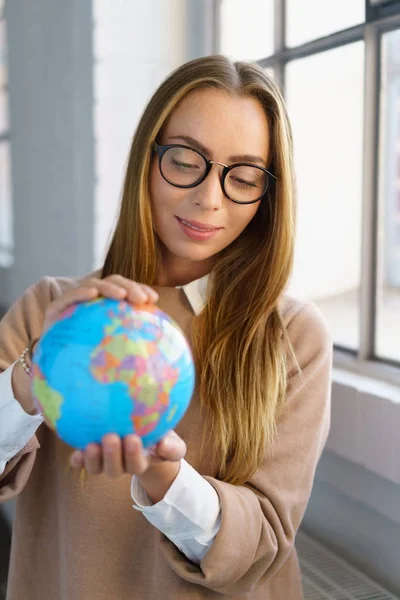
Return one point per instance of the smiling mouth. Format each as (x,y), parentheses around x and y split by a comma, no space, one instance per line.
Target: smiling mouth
(197,226)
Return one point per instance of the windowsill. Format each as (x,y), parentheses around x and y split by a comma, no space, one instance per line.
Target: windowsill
(374,371)
(356,376)
(342,312)
(366,417)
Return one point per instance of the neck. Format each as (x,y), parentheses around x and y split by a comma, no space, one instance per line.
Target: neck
(176,271)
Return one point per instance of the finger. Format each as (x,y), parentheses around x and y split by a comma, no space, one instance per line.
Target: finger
(119,280)
(135,460)
(152,294)
(112,455)
(108,289)
(81,294)
(93,459)
(76,459)
(135,292)
(171,447)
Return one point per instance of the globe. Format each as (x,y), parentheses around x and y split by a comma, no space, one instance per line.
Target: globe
(107,366)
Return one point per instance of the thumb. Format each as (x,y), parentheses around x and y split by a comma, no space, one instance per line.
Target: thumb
(171,447)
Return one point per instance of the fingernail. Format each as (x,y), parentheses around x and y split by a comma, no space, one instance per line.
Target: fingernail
(76,459)
(166,444)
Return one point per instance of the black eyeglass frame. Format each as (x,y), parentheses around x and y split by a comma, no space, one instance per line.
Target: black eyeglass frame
(162,149)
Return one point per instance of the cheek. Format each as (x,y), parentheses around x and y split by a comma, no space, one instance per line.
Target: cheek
(164,199)
(241,216)
(161,194)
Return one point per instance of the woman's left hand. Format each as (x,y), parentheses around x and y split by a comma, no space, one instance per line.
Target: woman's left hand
(116,456)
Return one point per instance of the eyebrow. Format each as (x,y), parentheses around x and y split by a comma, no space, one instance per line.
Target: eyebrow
(235,158)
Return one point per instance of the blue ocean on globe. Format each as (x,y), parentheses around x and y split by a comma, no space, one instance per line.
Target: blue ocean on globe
(107,366)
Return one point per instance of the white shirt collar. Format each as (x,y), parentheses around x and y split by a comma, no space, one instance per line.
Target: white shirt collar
(196,293)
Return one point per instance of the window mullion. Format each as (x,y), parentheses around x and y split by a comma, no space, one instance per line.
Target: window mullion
(279,41)
(215,41)
(370,193)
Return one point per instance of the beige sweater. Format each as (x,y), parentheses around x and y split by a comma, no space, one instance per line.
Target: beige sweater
(74,541)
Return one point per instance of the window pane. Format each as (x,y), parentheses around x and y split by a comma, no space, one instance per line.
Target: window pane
(388,297)
(310,19)
(246,28)
(325,101)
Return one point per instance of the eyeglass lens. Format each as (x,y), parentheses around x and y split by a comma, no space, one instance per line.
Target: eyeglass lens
(185,167)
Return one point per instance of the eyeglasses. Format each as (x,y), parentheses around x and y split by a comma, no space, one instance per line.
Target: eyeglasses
(184,167)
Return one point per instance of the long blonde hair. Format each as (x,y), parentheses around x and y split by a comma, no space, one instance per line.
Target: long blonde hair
(239,338)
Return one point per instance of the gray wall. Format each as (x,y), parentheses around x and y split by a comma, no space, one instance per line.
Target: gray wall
(5,286)
(50,95)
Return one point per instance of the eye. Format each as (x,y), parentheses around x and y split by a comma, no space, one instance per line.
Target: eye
(183,166)
(246,177)
(242,183)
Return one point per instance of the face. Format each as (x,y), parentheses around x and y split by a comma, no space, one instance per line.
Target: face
(227,129)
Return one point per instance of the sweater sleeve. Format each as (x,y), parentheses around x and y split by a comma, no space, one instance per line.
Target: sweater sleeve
(259,520)
(19,326)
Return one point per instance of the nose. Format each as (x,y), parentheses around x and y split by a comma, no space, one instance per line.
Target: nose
(209,194)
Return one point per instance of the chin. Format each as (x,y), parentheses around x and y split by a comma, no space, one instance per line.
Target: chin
(191,252)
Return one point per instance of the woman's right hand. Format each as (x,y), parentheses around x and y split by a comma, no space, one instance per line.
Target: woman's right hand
(113,286)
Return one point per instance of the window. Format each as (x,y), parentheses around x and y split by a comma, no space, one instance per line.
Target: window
(310,19)
(339,66)
(6,221)
(327,132)
(388,279)
(247,28)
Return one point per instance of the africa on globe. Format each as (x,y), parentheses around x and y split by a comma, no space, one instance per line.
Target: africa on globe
(107,366)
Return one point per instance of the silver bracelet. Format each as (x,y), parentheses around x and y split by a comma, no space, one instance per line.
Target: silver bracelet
(23,362)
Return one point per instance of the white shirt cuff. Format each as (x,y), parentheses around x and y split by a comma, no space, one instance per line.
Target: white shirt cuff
(188,515)
(16,426)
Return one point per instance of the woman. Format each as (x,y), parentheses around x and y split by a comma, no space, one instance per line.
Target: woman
(206,229)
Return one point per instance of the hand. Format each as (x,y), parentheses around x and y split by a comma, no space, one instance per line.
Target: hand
(114,286)
(115,456)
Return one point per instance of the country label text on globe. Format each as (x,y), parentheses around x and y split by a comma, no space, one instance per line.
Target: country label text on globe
(109,367)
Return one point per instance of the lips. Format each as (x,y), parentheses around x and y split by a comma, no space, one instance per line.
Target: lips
(199,226)
(198,232)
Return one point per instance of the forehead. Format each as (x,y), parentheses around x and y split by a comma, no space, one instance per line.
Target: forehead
(227,125)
